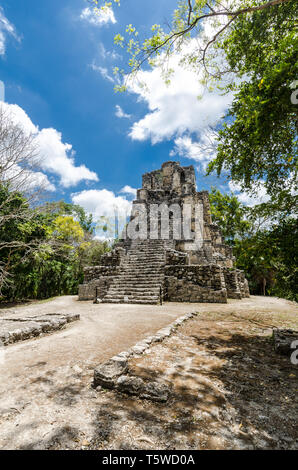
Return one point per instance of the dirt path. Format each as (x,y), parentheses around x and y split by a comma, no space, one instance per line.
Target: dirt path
(45,396)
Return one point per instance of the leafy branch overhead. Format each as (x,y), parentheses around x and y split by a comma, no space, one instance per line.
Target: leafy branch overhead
(189,19)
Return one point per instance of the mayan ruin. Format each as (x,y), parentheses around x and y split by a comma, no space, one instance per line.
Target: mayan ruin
(150,270)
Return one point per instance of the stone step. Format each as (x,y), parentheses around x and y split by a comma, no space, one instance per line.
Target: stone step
(146,277)
(150,247)
(135,288)
(144,258)
(141,263)
(152,256)
(142,266)
(146,253)
(133,285)
(140,276)
(132,288)
(140,273)
(126,298)
(154,251)
(147,256)
(132,293)
(133,301)
(148,242)
(138,280)
(149,260)
(147,248)
(131,297)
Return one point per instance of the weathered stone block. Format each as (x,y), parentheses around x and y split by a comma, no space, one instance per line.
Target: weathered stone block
(155,391)
(283,340)
(129,384)
(106,374)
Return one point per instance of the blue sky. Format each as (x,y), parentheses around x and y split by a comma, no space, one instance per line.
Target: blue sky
(56,63)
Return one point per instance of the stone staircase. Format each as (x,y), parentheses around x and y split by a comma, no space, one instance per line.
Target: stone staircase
(141,274)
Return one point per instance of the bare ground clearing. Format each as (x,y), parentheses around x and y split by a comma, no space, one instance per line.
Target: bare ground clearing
(230,390)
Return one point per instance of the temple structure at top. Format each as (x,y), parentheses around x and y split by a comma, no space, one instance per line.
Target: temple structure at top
(170,250)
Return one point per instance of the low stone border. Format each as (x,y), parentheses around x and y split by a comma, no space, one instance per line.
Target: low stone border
(113,374)
(15,329)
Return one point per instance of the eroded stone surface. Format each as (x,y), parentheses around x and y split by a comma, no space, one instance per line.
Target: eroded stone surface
(146,390)
(106,374)
(156,391)
(14,329)
(131,385)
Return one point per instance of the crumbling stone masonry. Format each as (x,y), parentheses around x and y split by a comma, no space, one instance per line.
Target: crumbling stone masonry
(152,268)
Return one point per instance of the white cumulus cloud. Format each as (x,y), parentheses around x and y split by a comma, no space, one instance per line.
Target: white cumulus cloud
(120,113)
(202,150)
(185,110)
(101,202)
(182,107)
(128,190)
(37,179)
(260,197)
(56,157)
(99,17)
(104,203)
(6,29)
(103,72)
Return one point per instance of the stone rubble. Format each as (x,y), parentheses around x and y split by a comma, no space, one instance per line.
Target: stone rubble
(114,374)
(283,340)
(15,329)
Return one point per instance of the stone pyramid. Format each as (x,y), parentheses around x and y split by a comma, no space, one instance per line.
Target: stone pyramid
(169,251)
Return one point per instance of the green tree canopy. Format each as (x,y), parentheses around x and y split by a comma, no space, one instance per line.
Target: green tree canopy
(43,250)
(230,215)
(259,140)
(265,247)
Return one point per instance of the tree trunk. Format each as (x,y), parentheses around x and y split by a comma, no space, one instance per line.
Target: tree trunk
(264,285)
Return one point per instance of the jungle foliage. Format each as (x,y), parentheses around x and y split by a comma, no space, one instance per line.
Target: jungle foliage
(43,250)
(264,241)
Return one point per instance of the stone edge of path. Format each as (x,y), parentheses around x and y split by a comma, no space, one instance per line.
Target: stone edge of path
(34,326)
(113,374)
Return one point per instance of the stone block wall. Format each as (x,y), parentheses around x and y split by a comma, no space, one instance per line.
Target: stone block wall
(194,283)
(243,283)
(87,291)
(95,272)
(99,277)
